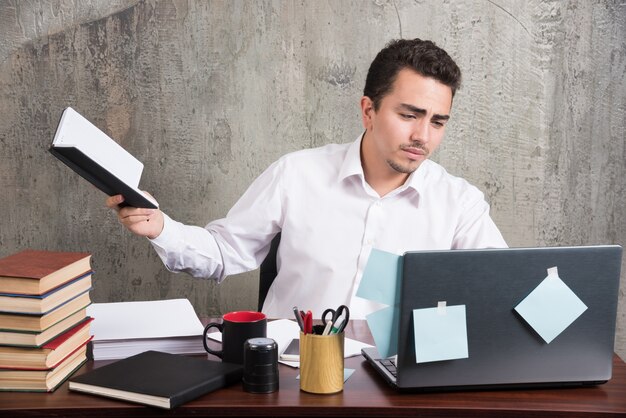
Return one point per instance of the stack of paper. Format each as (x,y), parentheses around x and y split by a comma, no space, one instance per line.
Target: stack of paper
(124,329)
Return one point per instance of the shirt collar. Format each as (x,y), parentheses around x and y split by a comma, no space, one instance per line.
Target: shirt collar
(416,179)
(351,166)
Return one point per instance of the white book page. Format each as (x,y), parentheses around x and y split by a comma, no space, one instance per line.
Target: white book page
(76,131)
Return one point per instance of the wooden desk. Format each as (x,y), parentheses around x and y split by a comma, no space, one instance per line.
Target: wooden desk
(365,395)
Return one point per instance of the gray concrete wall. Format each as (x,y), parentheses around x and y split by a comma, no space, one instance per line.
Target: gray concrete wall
(208,93)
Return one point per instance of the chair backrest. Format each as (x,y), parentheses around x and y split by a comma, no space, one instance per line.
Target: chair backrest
(268,271)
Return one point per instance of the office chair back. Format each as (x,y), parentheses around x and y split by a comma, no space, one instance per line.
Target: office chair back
(268,271)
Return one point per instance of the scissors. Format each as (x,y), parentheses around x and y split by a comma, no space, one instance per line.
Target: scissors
(333,325)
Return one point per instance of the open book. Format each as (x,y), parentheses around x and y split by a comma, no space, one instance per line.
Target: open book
(99,159)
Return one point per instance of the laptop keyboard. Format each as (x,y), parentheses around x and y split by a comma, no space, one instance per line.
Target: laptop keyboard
(390,365)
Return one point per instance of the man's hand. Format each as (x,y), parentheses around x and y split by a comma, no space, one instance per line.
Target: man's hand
(139,221)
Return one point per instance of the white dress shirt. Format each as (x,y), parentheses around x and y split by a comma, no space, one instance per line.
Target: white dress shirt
(330,220)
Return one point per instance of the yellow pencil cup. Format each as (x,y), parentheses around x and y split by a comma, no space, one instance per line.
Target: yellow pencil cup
(321,363)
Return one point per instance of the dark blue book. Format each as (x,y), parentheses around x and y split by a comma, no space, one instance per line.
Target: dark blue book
(42,304)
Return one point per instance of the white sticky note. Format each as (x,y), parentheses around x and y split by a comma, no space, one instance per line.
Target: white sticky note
(440,333)
(551,307)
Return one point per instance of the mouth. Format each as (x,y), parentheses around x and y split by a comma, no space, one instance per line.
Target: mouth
(414,153)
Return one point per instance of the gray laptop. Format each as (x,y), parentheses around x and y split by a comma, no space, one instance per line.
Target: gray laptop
(504,351)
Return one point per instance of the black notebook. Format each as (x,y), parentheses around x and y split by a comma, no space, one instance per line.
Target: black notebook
(159,379)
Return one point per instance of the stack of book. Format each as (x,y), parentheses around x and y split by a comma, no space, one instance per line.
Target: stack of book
(44,326)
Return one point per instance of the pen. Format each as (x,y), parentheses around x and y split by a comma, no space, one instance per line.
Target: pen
(299,320)
(308,323)
(340,328)
(328,328)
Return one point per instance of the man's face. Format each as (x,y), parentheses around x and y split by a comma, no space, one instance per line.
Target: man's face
(408,125)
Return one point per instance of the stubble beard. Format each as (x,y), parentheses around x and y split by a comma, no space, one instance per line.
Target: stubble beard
(401,168)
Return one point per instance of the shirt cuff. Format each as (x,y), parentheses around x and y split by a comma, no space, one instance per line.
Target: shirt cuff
(168,235)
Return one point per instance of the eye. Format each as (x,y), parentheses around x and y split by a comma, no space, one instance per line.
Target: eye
(407,116)
(438,124)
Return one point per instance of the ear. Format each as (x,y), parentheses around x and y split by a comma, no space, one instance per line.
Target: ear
(367,112)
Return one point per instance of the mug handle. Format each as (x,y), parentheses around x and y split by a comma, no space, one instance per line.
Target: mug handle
(206,346)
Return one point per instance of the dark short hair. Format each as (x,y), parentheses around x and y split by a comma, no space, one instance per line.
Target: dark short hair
(423,57)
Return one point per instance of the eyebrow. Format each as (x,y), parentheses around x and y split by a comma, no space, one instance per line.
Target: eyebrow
(418,110)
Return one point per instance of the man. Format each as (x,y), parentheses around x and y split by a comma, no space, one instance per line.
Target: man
(335,203)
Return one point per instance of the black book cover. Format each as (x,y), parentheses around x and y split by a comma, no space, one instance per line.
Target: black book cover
(100,177)
(158,379)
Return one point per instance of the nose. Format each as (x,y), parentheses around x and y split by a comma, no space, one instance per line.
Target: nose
(421,131)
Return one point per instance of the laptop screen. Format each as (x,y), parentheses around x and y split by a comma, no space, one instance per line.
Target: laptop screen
(503,345)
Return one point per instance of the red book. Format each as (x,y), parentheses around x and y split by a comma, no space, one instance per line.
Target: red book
(51,354)
(32,272)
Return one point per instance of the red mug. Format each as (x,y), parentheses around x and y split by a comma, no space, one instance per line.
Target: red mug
(236,329)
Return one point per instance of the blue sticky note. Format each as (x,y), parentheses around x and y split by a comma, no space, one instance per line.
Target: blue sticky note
(384,325)
(381,278)
(551,307)
(440,333)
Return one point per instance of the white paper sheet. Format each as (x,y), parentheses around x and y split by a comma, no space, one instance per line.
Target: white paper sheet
(149,319)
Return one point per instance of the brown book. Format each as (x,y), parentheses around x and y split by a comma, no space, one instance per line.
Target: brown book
(33,339)
(49,355)
(32,272)
(40,323)
(42,380)
(29,304)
